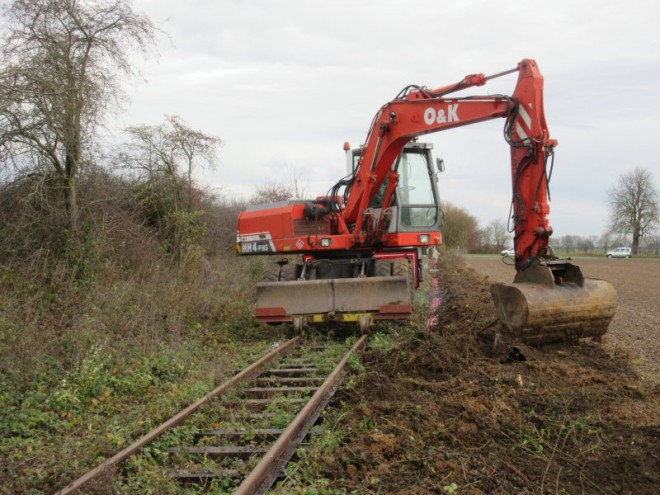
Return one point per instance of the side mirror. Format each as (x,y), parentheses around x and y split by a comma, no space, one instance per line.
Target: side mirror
(440,164)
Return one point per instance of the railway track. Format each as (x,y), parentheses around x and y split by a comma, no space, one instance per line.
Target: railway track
(238,438)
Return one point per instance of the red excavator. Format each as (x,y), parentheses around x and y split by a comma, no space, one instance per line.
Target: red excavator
(360,247)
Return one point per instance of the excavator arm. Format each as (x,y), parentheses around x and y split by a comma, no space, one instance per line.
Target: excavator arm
(550,300)
(418,111)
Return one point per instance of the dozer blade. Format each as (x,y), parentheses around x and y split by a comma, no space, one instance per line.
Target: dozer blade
(334,299)
(553,303)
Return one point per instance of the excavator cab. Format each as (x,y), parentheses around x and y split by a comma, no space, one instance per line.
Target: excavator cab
(415,206)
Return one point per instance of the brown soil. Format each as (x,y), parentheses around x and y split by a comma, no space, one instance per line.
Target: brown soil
(446,412)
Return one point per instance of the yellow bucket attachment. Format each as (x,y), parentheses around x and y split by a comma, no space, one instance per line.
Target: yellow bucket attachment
(552,302)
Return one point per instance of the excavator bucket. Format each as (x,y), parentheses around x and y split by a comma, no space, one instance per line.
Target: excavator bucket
(552,302)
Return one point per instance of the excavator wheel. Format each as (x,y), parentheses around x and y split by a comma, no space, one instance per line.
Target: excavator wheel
(288,272)
(365,323)
(382,268)
(298,325)
(271,273)
(401,267)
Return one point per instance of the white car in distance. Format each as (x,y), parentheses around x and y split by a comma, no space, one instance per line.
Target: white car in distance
(620,252)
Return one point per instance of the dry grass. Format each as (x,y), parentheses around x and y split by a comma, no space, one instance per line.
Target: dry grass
(105,335)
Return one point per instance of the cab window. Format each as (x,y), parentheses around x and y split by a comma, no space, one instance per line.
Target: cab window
(415,191)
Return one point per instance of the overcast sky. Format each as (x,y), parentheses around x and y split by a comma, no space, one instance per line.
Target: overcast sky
(284,83)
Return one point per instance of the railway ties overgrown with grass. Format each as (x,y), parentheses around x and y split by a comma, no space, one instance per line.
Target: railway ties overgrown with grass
(239,437)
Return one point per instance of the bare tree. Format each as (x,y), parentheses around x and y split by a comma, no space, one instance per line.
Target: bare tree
(193,147)
(298,188)
(63,60)
(498,233)
(634,207)
(170,150)
(165,156)
(271,193)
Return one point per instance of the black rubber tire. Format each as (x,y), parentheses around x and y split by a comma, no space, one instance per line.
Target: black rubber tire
(401,267)
(288,272)
(271,273)
(382,268)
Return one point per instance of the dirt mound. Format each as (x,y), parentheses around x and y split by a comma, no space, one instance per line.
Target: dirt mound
(458,410)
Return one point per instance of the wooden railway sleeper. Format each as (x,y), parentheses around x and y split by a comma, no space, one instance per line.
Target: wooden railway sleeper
(256,403)
(219,452)
(270,391)
(203,476)
(289,371)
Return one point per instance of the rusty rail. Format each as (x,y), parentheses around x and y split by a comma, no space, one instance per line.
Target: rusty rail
(266,471)
(122,455)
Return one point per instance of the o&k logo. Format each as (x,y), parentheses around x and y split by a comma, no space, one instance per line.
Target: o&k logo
(441,115)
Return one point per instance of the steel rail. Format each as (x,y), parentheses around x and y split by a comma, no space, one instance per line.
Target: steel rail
(122,455)
(264,473)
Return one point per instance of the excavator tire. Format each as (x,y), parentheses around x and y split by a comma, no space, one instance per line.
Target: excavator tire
(271,273)
(382,268)
(401,267)
(288,272)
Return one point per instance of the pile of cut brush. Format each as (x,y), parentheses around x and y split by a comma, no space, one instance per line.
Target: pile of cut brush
(458,410)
